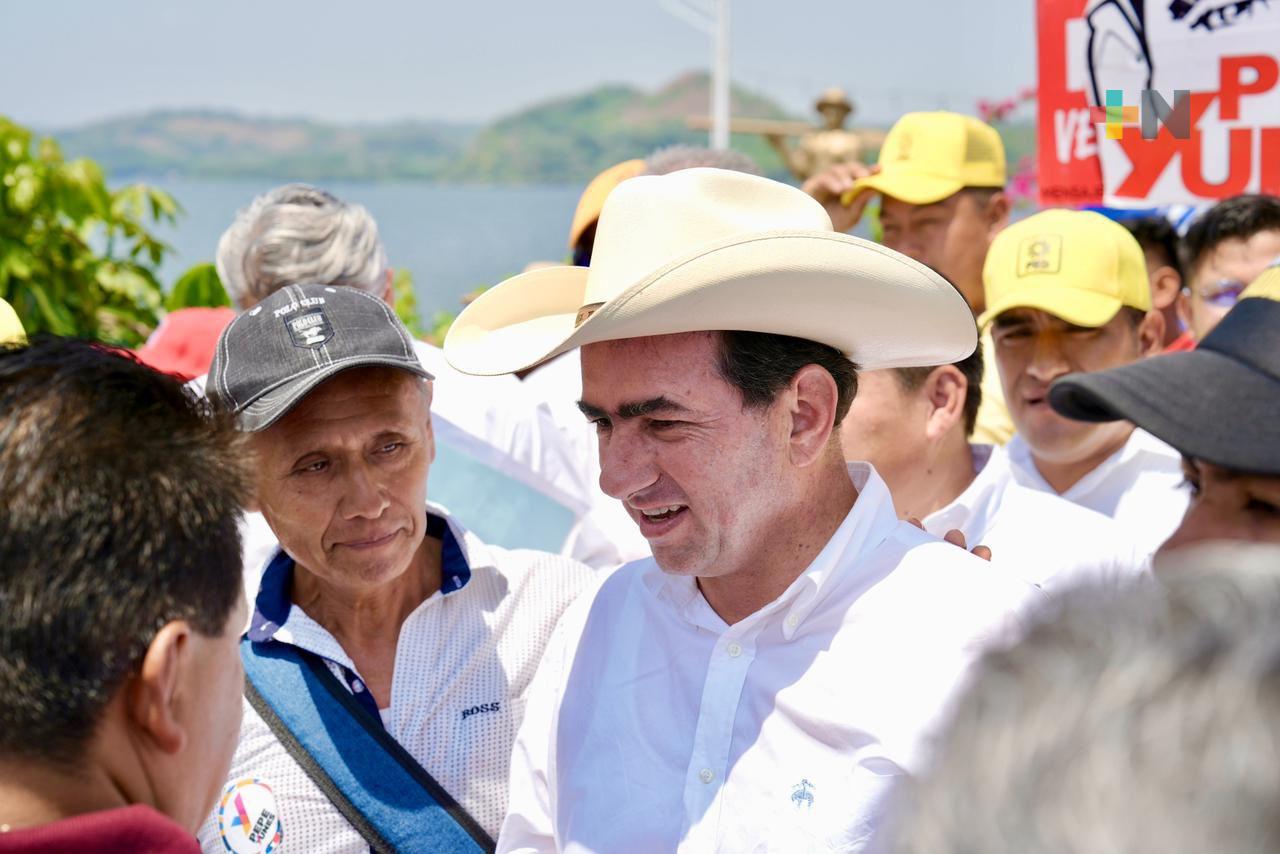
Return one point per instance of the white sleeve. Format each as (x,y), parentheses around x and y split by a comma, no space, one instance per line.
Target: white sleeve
(530,821)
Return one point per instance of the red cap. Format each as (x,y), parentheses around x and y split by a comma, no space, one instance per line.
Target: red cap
(184,342)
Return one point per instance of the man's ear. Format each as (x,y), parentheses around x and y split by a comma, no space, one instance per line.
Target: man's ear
(1166,284)
(997,213)
(389,292)
(153,691)
(813,398)
(1151,333)
(946,389)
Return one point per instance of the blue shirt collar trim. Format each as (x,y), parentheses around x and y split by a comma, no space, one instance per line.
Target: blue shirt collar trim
(272,605)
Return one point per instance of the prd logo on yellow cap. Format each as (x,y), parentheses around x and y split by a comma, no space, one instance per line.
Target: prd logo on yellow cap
(1040,254)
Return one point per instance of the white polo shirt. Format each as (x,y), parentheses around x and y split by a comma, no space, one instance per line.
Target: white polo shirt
(654,726)
(1044,539)
(1140,486)
(463,665)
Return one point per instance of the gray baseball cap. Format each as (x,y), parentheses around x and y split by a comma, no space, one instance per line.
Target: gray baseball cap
(273,355)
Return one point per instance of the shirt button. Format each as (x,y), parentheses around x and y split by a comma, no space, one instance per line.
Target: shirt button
(706,775)
(793,621)
(734,650)
(357,686)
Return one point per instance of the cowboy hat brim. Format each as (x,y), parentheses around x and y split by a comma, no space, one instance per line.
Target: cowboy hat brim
(881,309)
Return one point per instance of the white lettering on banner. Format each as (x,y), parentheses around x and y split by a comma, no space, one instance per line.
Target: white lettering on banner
(1074,136)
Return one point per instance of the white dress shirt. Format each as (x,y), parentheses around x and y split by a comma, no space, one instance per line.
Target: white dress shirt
(1140,486)
(464,661)
(654,726)
(1040,537)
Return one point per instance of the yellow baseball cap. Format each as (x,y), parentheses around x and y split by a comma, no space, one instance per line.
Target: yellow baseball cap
(927,157)
(1266,285)
(592,199)
(11,331)
(1076,265)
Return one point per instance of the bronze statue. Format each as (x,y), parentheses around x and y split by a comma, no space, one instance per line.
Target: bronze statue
(818,147)
(825,146)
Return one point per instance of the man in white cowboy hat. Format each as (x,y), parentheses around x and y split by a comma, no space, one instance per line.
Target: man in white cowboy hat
(763,678)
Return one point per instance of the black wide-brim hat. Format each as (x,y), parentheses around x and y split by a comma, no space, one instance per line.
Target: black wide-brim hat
(1219,403)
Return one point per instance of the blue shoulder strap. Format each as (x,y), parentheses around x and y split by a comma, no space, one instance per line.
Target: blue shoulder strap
(369,777)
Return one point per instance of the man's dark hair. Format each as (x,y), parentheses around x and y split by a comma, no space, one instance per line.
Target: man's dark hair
(1239,217)
(761,364)
(912,378)
(981,196)
(120,496)
(1156,235)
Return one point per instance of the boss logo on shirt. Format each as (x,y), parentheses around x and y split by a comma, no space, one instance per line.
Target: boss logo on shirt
(480,709)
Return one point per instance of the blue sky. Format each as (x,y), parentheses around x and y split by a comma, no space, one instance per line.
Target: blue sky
(65,63)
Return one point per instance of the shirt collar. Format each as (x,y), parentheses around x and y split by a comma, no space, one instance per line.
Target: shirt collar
(869,522)
(1139,443)
(980,498)
(273,605)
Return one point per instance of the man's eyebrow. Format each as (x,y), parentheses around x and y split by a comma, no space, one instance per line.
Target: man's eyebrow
(1006,320)
(635,409)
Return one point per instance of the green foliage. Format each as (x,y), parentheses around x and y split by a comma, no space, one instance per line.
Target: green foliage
(199,287)
(75,257)
(405,302)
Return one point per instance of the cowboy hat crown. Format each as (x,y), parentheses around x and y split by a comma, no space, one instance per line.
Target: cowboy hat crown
(711,249)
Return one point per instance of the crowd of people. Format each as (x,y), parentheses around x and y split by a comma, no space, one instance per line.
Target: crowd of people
(737,533)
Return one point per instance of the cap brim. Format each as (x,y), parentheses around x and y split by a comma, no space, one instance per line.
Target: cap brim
(269,408)
(1205,404)
(1080,307)
(914,188)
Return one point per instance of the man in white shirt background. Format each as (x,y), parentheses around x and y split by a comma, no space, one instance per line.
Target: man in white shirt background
(1218,405)
(430,635)
(1067,292)
(762,681)
(913,425)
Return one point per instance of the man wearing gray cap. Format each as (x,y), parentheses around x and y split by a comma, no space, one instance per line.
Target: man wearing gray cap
(501,460)
(390,649)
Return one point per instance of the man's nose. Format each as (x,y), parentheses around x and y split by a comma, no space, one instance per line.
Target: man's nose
(626,465)
(1048,361)
(908,244)
(363,496)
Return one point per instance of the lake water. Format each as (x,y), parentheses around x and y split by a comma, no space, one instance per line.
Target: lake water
(452,238)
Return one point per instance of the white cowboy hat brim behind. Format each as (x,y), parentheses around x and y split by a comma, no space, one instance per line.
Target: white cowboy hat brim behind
(880,308)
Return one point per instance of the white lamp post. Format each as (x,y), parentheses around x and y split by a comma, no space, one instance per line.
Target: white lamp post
(712,17)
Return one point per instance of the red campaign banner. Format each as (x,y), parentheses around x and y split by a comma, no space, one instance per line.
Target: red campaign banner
(1069,171)
(1112,127)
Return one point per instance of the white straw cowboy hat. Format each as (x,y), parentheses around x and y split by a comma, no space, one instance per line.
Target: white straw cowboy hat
(710,249)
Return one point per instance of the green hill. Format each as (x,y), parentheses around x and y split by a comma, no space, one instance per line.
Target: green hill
(571,139)
(565,140)
(226,145)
